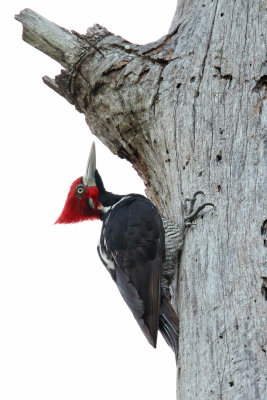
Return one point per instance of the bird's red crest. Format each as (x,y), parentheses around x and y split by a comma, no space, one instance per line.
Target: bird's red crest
(81,204)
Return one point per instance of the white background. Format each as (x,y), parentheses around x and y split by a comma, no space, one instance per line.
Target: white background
(65,332)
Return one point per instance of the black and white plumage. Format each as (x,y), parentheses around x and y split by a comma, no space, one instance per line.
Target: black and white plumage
(132,247)
(138,247)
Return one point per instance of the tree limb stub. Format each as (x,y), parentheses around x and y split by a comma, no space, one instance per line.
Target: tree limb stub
(60,84)
(53,40)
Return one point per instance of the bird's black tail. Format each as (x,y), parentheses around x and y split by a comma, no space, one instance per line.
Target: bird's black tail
(169,325)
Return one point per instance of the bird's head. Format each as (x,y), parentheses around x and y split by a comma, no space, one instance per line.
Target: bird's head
(83,198)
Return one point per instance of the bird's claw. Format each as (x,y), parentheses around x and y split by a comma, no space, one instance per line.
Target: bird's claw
(191,202)
(190,213)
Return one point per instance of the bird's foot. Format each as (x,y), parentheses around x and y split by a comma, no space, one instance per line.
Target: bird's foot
(188,206)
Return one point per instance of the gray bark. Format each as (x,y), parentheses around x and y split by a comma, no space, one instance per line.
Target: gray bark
(189,113)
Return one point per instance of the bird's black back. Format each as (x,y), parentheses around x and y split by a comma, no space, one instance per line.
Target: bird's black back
(132,240)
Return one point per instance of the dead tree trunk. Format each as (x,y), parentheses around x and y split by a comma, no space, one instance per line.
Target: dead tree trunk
(189,112)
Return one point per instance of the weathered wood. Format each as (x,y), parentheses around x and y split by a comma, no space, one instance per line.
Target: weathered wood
(53,40)
(189,112)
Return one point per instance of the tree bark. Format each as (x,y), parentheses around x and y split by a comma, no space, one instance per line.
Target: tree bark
(189,113)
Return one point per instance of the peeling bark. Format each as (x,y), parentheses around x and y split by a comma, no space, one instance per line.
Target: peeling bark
(189,112)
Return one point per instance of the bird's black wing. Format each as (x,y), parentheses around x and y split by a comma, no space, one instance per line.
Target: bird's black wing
(132,240)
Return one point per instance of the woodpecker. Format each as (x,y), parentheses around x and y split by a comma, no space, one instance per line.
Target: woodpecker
(138,247)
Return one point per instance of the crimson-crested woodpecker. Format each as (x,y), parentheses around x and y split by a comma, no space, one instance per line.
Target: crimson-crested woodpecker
(138,247)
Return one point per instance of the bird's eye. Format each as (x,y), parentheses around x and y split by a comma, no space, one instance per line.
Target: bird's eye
(80,189)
